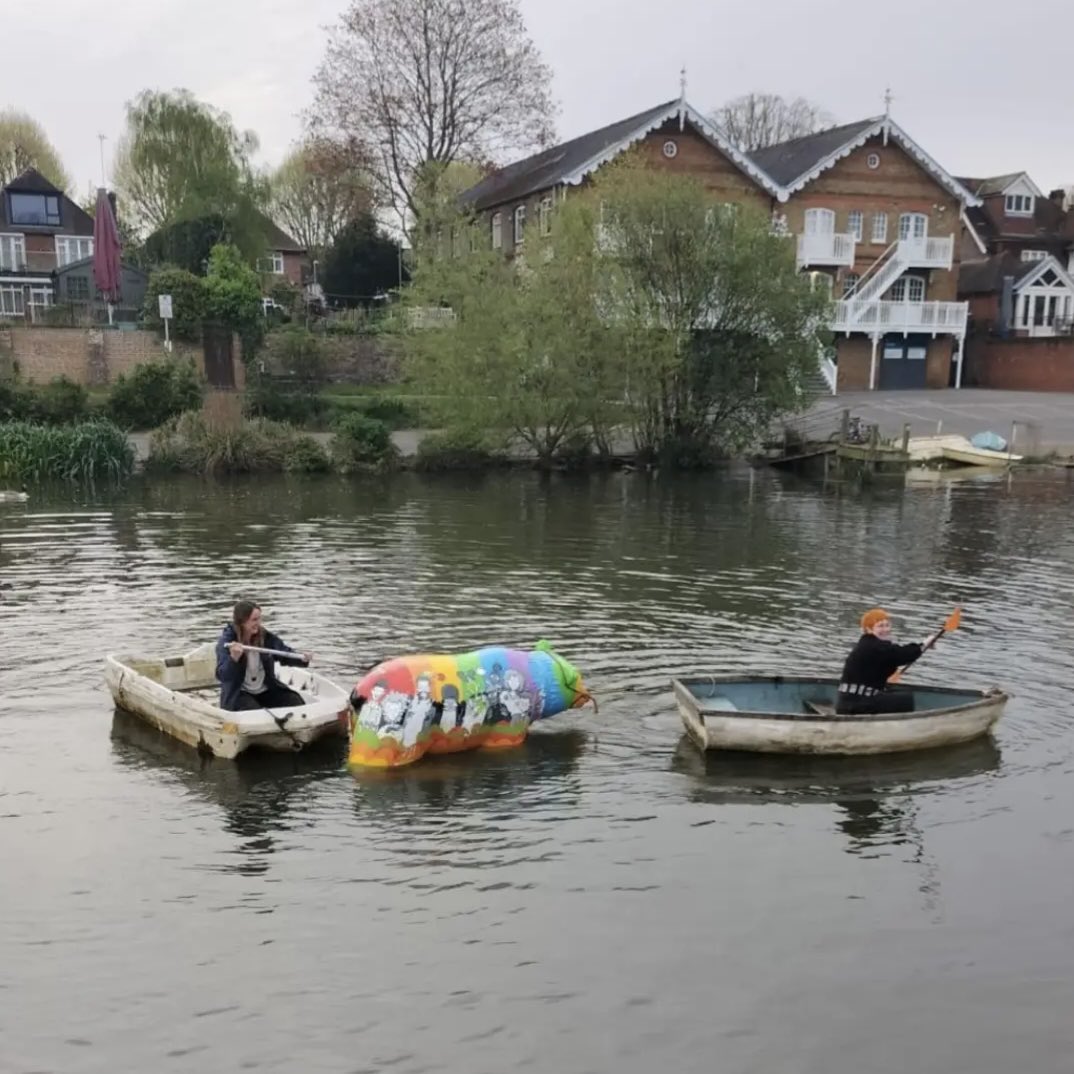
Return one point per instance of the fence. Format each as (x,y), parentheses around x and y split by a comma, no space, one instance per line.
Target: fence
(81,315)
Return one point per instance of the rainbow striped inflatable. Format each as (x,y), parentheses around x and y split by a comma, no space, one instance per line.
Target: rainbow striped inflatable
(439,703)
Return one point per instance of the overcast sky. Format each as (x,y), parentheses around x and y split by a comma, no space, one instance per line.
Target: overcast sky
(983,85)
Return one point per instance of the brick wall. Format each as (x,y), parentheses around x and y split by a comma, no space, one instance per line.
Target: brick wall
(1028,365)
(93,357)
(855,357)
(348,359)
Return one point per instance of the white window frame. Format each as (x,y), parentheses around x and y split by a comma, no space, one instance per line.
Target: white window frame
(850,281)
(910,224)
(544,216)
(1018,204)
(69,249)
(856,224)
(1034,255)
(819,222)
(497,231)
(518,218)
(40,298)
(16,252)
(821,281)
(902,290)
(12,300)
(880,227)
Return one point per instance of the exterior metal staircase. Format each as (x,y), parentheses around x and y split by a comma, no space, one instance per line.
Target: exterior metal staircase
(875,281)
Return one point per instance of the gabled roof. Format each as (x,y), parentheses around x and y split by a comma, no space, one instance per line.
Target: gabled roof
(32,181)
(797,162)
(986,276)
(1048,224)
(999,184)
(278,239)
(73,219)
(1039,268)
(571,162)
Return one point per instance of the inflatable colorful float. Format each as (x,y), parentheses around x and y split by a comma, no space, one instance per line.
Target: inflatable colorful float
(439,703)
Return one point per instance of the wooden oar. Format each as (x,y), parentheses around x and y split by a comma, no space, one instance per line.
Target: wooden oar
(952,622)
(272,652)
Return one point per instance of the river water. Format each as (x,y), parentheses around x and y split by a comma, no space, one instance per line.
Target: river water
(603,899)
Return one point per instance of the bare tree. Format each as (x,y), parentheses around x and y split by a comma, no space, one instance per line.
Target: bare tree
(757,120)
(320,188)
(423,83)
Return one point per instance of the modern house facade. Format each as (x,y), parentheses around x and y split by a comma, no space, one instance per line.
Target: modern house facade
(873,217)
(41,230)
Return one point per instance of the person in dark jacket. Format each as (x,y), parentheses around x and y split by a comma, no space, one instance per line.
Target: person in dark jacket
(248,679)
(863,688)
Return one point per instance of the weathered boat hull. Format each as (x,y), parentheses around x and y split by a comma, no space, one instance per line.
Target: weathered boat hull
(707,706)
(165,694)
(979,457)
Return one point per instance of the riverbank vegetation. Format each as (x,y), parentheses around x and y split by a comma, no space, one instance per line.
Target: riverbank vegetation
(86,452)
(639,307)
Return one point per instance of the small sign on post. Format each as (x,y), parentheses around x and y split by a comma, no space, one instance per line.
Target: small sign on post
(164,302)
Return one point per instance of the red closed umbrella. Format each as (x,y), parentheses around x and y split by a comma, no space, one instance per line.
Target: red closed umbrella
(107,272)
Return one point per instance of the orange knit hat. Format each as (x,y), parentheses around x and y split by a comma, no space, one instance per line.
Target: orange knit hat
(872,617)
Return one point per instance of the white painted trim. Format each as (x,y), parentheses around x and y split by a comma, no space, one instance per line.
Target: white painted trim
(66,239)
(877,126)
(973,232)
(1023,179)
(712,133)
(1049,262)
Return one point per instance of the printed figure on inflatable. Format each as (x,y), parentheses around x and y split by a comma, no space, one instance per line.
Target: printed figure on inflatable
(439,703)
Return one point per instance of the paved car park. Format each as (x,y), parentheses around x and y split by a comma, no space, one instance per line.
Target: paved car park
(1043,421)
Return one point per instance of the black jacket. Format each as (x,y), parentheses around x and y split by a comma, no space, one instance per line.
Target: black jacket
(872,661)
(232,673)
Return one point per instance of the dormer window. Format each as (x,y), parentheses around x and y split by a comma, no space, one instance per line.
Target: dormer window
(1018,204)
(34,210)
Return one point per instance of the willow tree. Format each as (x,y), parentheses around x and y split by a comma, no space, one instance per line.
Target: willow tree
(181,160)
(720,330)
(24,144)
(429,82)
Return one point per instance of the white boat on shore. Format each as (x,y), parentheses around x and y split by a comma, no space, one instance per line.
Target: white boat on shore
(179,695)
(953,448)
(789,714)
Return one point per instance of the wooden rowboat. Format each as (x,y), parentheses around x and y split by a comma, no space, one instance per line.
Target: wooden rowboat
(180,696)
(788,714)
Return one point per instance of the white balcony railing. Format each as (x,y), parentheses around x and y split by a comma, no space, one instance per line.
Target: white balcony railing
(832,248)
(861,315)
(937,252)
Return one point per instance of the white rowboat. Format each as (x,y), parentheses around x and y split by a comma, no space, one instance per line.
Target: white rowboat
(180,696)
(787,714)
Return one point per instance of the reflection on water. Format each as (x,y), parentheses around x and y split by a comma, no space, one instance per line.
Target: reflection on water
(606,897)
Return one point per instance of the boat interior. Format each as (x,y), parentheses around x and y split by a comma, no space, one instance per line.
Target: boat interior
(801,697)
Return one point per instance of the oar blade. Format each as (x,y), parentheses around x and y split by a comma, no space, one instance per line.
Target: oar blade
(954,621)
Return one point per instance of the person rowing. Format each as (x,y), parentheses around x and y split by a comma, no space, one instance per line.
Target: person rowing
(246,657)
(864,686)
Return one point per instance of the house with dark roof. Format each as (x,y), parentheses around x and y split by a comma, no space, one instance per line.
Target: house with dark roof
(285,257)
(41,230)
(1015,217)
(874,218)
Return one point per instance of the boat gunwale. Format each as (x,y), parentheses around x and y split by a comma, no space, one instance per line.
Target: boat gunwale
(246,722)
(680,686)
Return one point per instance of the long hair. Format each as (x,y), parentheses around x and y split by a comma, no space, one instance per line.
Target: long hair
(242,611)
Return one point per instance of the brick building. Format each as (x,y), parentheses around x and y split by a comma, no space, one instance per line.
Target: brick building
(872,215)
(41,230)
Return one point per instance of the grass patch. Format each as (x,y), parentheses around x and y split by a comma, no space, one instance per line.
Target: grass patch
(86,452)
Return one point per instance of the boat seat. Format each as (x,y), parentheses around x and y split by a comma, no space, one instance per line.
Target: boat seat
(820,708)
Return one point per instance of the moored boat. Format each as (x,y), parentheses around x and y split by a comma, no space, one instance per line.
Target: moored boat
(791,714)
(180,696)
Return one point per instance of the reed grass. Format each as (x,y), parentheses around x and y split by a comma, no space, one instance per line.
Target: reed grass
(87,452)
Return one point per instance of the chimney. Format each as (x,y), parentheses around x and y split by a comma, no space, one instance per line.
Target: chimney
(1006,306)
(1058,197)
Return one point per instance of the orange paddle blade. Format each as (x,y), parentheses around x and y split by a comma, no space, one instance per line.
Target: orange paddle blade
(954,621)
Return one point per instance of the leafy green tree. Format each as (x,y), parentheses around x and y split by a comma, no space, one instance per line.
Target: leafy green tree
(362,263)
(24,144)
(528,354)
(719,328)
(188,302)
(233,297)
(181,160)
(644,306)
